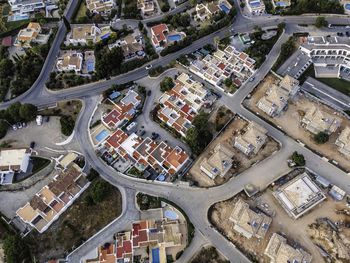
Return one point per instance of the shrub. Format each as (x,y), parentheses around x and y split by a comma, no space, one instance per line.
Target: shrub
(166,84)
(321,138)
(67,125)
(298,159)
(100,190)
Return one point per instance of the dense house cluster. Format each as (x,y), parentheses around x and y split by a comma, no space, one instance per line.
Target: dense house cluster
(223,64)
(13,161)
(100,6)
(276,97)
(131,45)
(316,120)
(53,199)
(146,154)
(251,141)
(123,111)
(31,34)
(182,103)
(248,222)
(158,235)
(84,34)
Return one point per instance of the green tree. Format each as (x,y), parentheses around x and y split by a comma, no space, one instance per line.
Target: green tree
(3,128)
(28,112)
(193,2)
(100,190)
(281,26)
(67,125)
(13,111)
(6,68)
(199,136)
(16,250)
(321,22)
(298,159)
(228,82)
(166,84)
(92,175)
(321,138)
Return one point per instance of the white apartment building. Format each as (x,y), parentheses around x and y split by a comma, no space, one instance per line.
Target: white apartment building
(23,7)
(255,6)
(343,142)
(12,161)
(328,54)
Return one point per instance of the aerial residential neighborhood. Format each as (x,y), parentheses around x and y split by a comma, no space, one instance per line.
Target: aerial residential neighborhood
(188,131)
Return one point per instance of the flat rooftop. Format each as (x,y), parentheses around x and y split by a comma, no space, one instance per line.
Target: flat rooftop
(299,195)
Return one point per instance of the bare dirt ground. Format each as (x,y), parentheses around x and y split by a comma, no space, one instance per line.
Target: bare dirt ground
(290,122)
(295,230)
(245,162)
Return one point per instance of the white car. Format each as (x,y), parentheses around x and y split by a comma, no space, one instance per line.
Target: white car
(14,127)
(39,120)
(148,67)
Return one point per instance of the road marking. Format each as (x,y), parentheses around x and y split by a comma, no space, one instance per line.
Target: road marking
(324,93)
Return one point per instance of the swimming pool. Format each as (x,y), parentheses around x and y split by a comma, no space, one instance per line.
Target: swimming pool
(224,8)
(171,214)
(103,134)
(347,6)
(90,65)
(161,177)
(175,37)
(155,255)
(281,4)
(255,4)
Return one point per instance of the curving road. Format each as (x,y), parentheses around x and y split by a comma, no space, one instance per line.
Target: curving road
(194,201)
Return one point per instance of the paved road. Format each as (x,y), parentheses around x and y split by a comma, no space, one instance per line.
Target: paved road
(194,201)
(123,222)
(326,93)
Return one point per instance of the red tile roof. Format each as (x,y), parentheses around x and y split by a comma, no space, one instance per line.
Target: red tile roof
(158,33)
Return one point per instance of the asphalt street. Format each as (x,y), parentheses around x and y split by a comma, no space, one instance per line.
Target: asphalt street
(194,201)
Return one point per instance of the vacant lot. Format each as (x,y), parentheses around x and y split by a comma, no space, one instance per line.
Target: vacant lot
(290,122)
(81,221)
(68,108)
(281,223)
(209,255)
(243,162)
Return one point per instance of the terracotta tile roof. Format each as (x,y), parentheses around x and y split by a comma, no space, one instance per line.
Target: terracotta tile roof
(158,33)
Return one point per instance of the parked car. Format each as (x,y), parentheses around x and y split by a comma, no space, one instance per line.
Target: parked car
(19,125)
(32,145)
(149,93)
(251,79)
(148,67)
(14,127)
(24,124)
(142,132)
(39,120)
(47,118)
(154,136)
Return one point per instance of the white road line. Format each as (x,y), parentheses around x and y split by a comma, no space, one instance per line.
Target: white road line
(326,94)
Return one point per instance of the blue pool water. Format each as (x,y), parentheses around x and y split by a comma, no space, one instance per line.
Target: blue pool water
(170,215)
(281,4)
(347,6)
(103,134)
(105,36)
(155,255)
(114,95)
(175,37)
(161,177)
(224,8)
(90,66)
(255,4)
(19,17)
